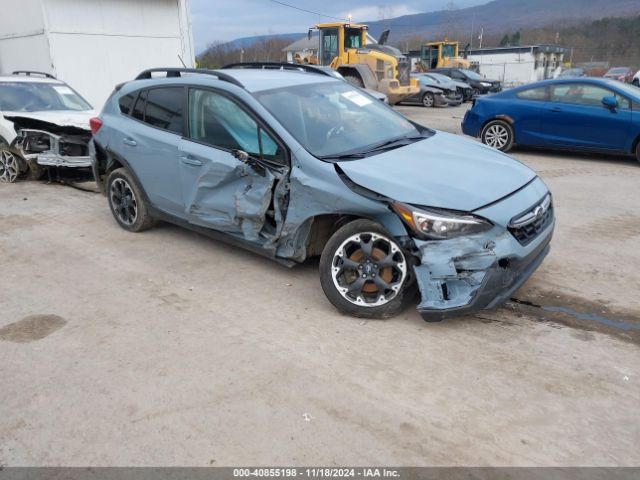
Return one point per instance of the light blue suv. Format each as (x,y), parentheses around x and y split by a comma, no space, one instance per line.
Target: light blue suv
(294,164)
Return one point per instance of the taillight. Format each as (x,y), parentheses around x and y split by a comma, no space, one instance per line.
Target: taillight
(95,123)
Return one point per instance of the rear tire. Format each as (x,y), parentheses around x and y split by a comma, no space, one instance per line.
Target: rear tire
(354,80)
(428,100)
(498,134)
(127,202)
(638,152)
(364,272)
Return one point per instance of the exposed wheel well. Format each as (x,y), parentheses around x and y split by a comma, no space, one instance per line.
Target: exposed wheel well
(322,228)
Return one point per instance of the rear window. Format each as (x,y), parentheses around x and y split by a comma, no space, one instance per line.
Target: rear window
(164,108)
(126,102)
(138,109)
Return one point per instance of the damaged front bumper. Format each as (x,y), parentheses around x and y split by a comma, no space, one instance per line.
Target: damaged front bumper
(468,274)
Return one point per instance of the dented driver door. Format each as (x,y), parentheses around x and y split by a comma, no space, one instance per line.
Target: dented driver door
(229,168)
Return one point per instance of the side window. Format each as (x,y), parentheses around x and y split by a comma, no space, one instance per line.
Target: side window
(138,109)
(126,102)
(164,108)
(539,93)
(218,121)
(584,94)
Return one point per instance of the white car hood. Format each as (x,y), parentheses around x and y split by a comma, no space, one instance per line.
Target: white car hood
(62,118)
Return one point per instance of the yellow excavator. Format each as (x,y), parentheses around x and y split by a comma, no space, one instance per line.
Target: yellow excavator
(444,54)
(376,66)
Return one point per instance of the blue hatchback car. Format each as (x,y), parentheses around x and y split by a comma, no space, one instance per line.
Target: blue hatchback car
(293,165)
(582,114)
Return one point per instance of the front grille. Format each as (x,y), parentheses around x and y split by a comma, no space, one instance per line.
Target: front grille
(525,234)
(404,71)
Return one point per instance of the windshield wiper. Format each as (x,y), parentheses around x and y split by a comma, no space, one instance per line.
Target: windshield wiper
(386,145)
(345,156)
(393,143)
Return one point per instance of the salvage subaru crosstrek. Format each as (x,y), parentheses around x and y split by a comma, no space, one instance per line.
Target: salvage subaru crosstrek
(293,164)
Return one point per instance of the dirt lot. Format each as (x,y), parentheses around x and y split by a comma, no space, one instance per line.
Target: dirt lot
(166,348)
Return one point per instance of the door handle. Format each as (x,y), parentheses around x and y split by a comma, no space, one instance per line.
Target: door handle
(130,141)
(556,109)
(188,159)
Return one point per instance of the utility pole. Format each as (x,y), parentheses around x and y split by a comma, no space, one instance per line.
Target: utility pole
(473,21)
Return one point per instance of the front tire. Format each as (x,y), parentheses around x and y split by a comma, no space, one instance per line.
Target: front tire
(10,166)
(498,134)
(364,272)
(127,202)
(428,100)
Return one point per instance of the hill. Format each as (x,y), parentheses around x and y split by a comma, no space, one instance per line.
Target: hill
(503,15)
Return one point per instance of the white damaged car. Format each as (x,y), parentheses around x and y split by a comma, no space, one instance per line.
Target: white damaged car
(43,123)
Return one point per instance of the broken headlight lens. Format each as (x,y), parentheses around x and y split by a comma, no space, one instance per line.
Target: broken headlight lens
(440,224)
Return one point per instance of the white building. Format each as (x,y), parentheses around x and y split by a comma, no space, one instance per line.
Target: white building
(519,65)
(94,44)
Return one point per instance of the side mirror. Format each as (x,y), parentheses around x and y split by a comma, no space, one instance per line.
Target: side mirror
(610,102)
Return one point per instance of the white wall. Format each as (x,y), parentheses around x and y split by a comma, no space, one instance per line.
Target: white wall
(22,30)
(95,44)
(519,68)
(510,68)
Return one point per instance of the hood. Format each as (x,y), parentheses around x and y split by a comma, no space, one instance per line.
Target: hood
(62,118)
(461,84)
(443,171)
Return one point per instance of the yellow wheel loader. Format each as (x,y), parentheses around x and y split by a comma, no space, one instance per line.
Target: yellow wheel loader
(443,55)
(375,66)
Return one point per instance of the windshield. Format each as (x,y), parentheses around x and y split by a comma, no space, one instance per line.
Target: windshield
(448,51)
(628,89)
(427,79)
(440,78)
(618,70)
(39,97)
(471,74)
(333,118)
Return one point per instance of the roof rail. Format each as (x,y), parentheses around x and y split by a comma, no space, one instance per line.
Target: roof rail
(177,72)
(282,66)
(31,72)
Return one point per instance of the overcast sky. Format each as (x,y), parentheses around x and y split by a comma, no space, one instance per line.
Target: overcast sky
(230,19)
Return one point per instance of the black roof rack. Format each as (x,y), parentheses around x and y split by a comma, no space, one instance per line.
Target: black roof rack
(282,66)
(177,72)
(31,72)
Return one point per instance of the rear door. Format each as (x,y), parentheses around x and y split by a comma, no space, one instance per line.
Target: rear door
(150,145)
(230,166)
(576,118)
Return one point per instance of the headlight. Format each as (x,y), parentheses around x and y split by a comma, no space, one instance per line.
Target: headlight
(485,84)
(440,225)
